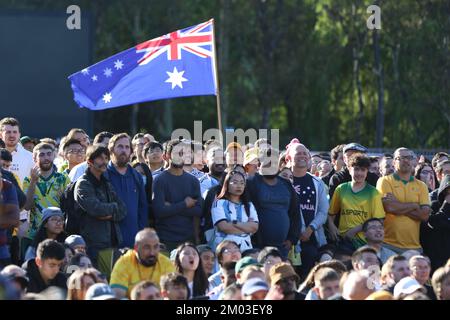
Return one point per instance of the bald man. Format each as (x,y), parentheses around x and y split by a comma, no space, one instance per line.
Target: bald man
(144,262)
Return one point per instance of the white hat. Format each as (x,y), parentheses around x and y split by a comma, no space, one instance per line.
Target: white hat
(407,285)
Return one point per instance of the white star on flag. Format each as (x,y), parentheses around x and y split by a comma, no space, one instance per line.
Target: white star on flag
(176,78)
(118,64)
(85,71)
(107,72)
(94,78)
(107,97)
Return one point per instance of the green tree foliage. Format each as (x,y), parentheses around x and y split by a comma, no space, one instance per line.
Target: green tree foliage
(306,67)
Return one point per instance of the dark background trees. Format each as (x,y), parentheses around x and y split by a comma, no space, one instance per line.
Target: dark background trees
(310,68)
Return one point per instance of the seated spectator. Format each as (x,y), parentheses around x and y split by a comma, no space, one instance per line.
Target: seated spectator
(144,262)
(254,289)
(364,258)
(51,227)
(395,269)
(145,290)
(407,286)
(268,257)
(441,283)
(174,286)
(226,251)
(420,267)
(78,261)
(326,283)
(76,243)
(374,233)
(306,287)
(17,277)
(44,270)
(187,263)
(79,282)
(100,291)
(358,285)
(282,275)
(232,292)
(207,258)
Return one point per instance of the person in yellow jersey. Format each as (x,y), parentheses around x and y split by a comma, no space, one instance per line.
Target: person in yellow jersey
(406,202)
(144,262)
(356,202)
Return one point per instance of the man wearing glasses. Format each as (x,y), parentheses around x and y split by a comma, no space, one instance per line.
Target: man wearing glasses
(74,153)
(406,202)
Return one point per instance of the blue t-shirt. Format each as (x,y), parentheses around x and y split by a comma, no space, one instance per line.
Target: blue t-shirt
(304,187)
(8,196)
(274,221)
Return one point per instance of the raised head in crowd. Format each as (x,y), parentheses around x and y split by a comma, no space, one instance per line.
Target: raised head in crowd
(279,214)
(98,211)
(129,186)
(354,202)
(43,187)
(22,159)
(144,262)
(233,215)
(344,175)
(187,263)
(313,202)
(406,203)
(176,199)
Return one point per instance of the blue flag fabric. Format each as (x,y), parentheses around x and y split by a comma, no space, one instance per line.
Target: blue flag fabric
(178,64)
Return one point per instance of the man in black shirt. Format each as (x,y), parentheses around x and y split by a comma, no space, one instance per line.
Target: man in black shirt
(43,271)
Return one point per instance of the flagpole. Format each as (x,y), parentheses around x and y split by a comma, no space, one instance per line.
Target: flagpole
(219,110)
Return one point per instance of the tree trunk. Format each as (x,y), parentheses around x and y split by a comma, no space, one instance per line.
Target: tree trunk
(380,81)
(358,84)
(225,13)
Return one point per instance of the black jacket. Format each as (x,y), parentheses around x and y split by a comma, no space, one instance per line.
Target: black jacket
(98,199)
(36,284)
(435,233)
(344,176)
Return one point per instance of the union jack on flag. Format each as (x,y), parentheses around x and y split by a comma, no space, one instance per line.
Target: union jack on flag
(178,64)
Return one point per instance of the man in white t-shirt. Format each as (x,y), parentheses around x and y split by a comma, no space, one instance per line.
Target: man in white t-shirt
(22,159)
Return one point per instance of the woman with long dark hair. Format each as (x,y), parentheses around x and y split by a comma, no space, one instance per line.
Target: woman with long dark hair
(187,263)
(233,215)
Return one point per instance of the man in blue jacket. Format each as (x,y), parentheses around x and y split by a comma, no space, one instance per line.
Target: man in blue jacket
(129,186)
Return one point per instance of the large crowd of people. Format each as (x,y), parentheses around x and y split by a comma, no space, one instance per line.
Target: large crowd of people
(123,217)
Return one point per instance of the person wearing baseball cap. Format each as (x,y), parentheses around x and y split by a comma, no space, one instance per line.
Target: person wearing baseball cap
(28,143)
(344,175)
(251,161)
(242,263)
(100,291)
(254,289)
(407,286)
(76,243)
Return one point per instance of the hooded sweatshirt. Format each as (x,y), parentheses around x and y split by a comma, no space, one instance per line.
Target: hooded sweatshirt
(435,233)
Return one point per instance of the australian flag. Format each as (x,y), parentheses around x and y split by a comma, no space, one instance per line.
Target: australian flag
(178,64)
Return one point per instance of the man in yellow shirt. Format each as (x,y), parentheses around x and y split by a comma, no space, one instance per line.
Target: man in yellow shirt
(406,202)
(144,262)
